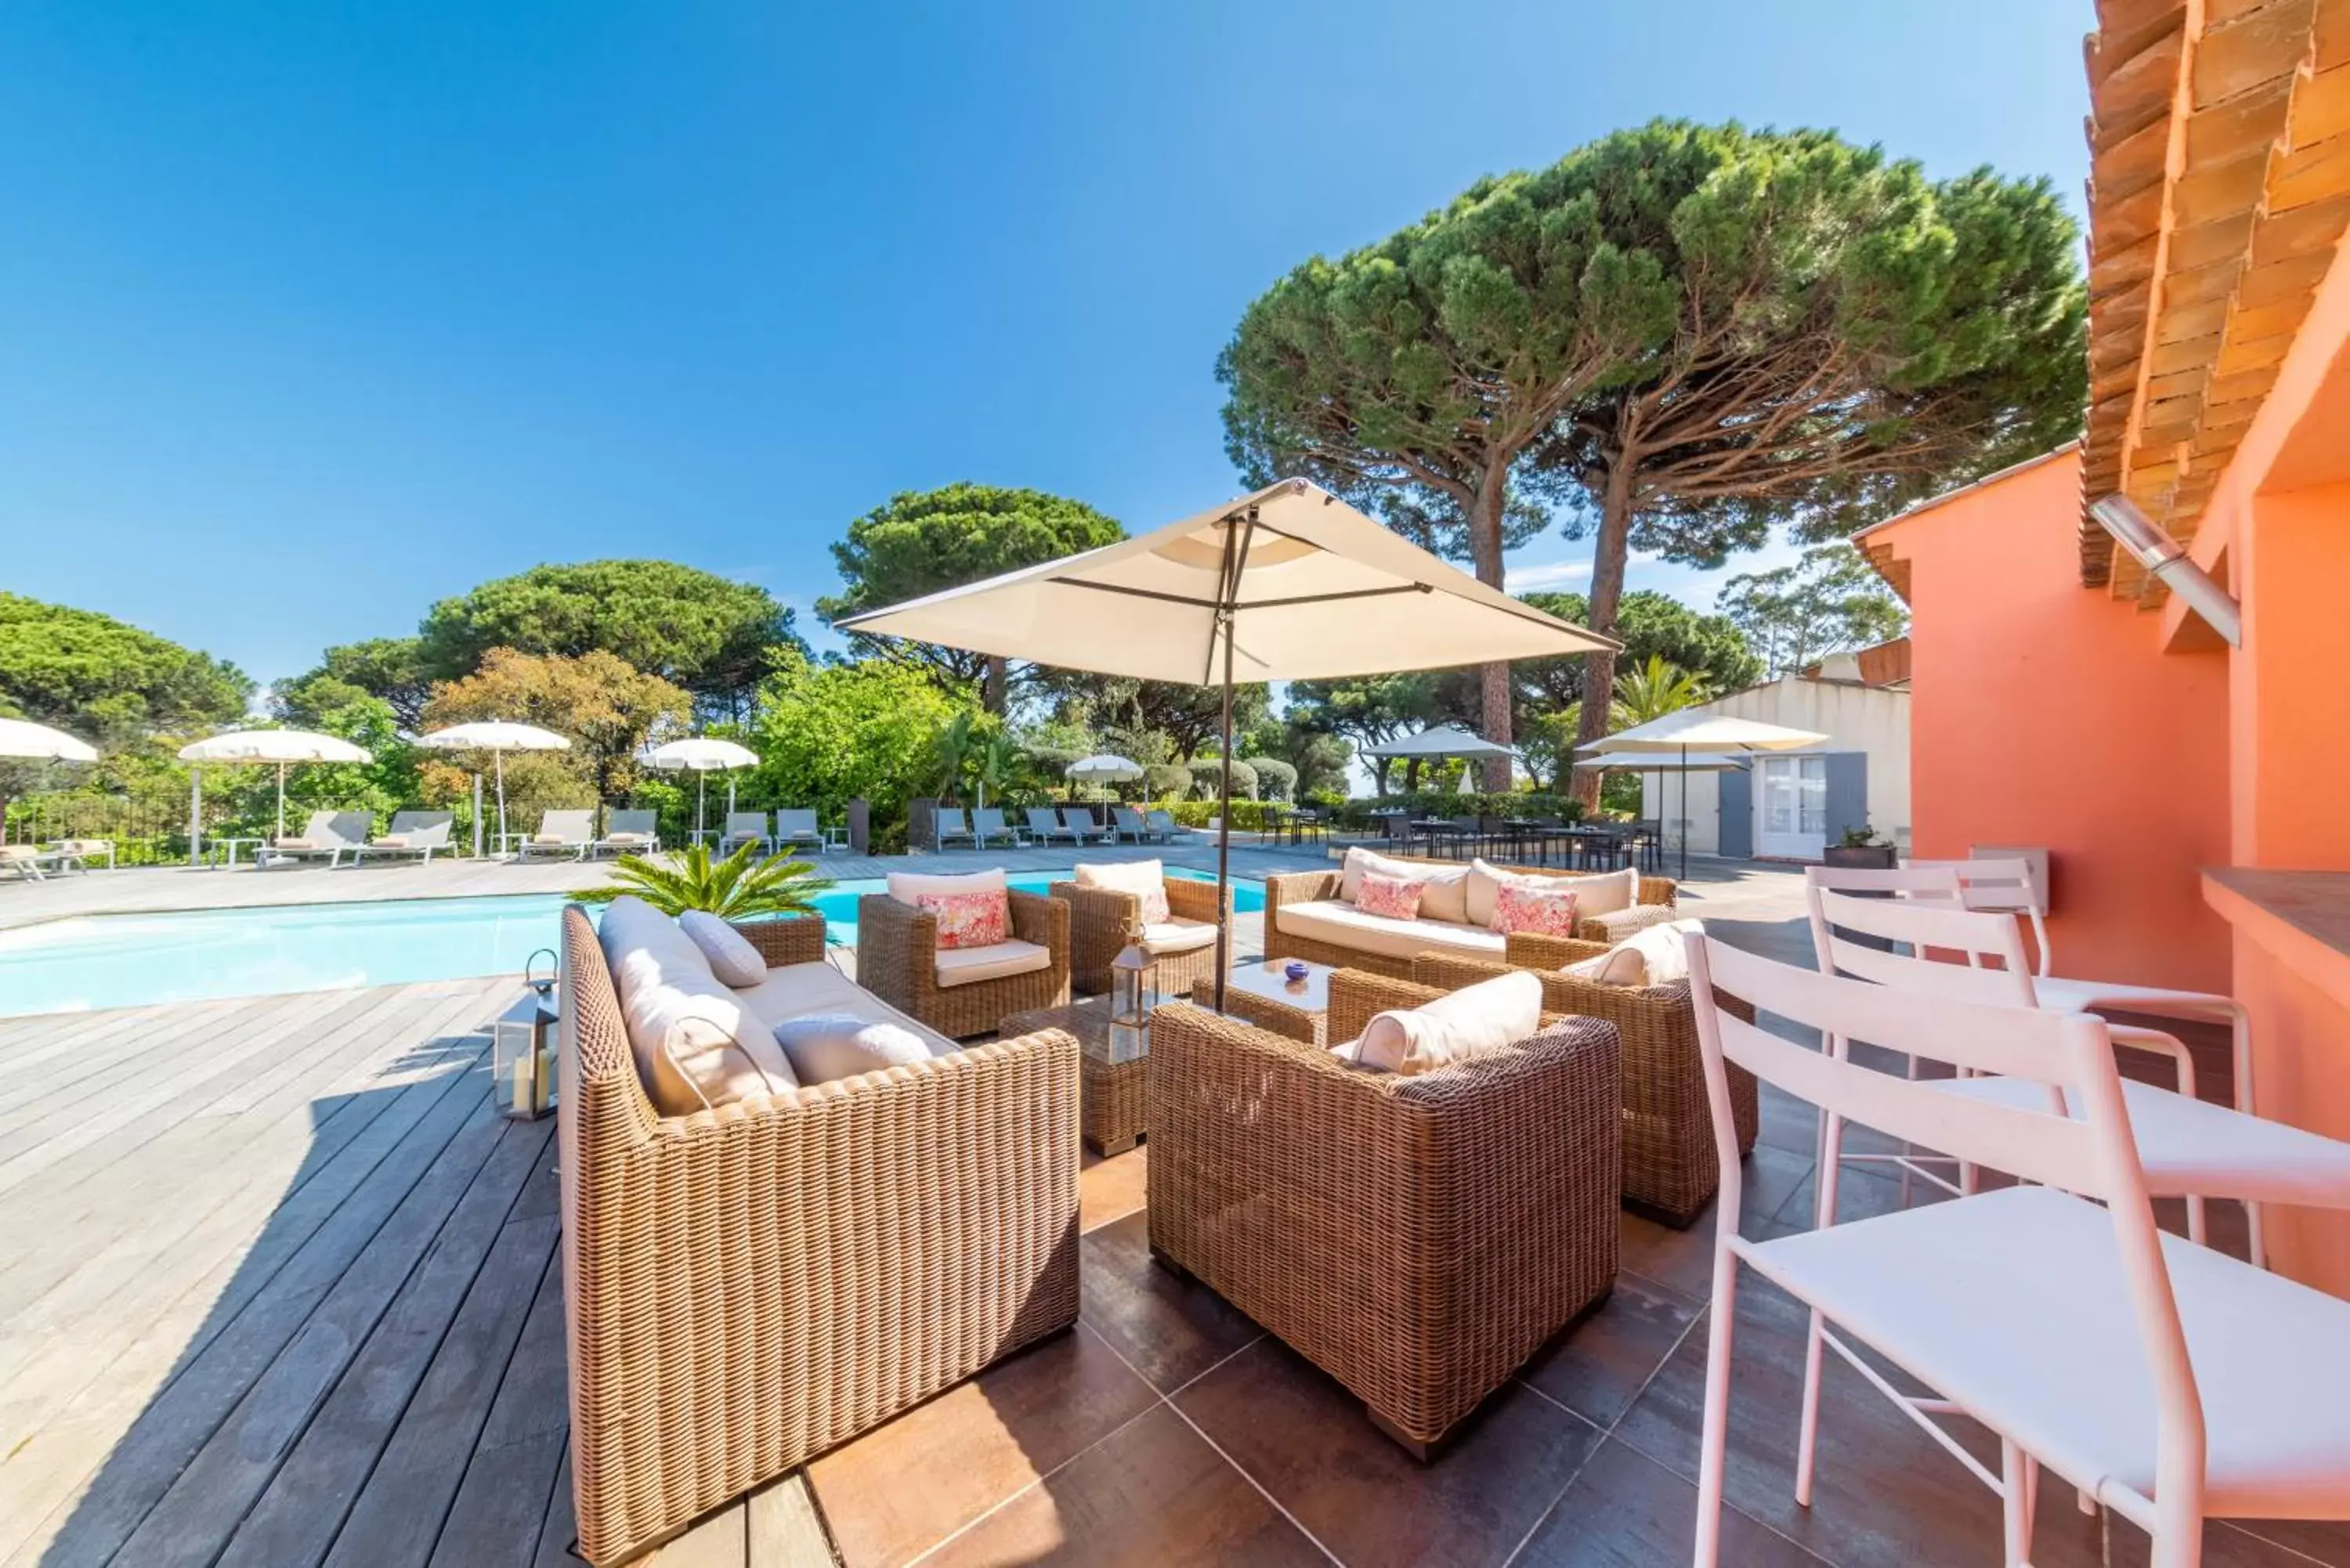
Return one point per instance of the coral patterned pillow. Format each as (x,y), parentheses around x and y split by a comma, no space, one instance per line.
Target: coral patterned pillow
(976,920)
(1389,895)
(1544,912)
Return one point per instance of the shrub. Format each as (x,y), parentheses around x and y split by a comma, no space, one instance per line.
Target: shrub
(1166,781)
(1207,786)
(1276,780)
(1248,815)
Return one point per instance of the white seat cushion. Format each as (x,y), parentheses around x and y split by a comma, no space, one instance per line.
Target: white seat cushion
(2096,996)
(2196,1146)
(1603,894)
(906,887)
(2012,1304)
(1483,1017)
(1145,879)
(808,989)
(1444,894)
(1343,925)
(1180,935)
(967,966)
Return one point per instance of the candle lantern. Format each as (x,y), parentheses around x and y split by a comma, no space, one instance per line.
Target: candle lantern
(523,1045)
(1133,996)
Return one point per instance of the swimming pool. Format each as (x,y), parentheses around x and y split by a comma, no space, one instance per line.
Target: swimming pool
(133,961)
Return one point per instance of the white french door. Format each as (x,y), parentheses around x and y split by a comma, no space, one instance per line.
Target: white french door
(1790,807)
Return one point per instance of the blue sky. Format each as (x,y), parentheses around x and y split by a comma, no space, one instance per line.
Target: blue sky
(310,315)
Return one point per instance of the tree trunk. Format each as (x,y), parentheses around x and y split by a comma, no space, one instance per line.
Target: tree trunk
(1485,550)
(1607,561)
(998,678)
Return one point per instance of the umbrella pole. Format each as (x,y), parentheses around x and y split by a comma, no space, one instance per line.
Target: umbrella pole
(196,815)
(702,801)
(1228,605)
(477,814)
(281,800)
(1685,822)
(499,757)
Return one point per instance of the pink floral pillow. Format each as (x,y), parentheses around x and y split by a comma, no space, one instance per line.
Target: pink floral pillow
(1544,912)
(975,919)
(1156,910)
(1389,895)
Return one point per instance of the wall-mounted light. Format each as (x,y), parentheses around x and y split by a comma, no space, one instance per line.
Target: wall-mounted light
(2168,565)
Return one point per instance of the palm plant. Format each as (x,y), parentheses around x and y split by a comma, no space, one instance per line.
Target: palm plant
(951,755)
(999,765)
(1652,690)
(743,886)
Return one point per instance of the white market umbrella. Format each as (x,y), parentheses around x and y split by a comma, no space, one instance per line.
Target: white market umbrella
(497,737)
(283,747)
(1663,762)
(38,742)
(1437,742)
(1287,584)
(1693,732)
(1104,767)
(700,755)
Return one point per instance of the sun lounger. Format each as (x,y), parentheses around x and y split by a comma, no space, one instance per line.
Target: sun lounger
(987,822)
(75,854)
(1162,823)
(797,830)
(1127,823)
(1044,825)
(328,836)
(629,833)
(1080,822)
(417,833)
(571,832)
(746,827)
(953,827)
(28,864)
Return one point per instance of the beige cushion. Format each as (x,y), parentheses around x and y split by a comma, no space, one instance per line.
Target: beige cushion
(1343,925)
(1482,1017)
(555,838)
(1664,950)
(906,887)
(638,938)
(292,843)
(1445,897)
(1603,894)
(824,1047)
(1145,879)
(804,990)
(968,966)
(1178,935)
(627,838)
(697,1046)
(1620,965)
(728,951)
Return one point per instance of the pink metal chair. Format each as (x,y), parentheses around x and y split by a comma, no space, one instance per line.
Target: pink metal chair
(2167,1382)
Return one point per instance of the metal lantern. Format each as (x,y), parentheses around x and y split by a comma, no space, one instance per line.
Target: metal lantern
(522,1048)
(1133,997)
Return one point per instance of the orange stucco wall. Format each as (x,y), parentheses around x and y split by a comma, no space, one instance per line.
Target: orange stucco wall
(2045,715)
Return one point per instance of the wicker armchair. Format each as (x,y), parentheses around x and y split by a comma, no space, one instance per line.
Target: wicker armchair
(1417,1238)
(1100,916)
(1659,896)
(897,960)
(747,1287)
(1671,1170)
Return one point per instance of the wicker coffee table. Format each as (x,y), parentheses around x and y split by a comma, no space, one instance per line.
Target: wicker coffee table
(1263,994)
(1111,1095)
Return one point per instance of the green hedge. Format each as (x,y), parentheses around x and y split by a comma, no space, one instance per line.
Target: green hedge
(1425,803)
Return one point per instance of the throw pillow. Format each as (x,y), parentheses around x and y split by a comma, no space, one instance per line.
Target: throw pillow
(696,1047)
(732,957)
(1446,897)
(1483,1017)
(1665,949)
(973,919)
(1542,911)
(1389,898)
(828,1046)
(1145,879)
(1602,894)
(1621,965)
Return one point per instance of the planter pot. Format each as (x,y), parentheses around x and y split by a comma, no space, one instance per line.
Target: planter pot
(1866,857)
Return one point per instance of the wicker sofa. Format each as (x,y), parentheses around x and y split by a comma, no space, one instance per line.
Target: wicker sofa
(749,1286)
(1671,1168)
(1100,917)
(1336,1207)
(897,960)
(1656,904)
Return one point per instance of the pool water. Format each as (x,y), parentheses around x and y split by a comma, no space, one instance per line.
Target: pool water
(134,961)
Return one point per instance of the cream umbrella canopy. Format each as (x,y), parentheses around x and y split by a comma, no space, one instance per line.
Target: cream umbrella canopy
(1287,583)
(1103,767)
(283,747)
(1661,763)
(38,742)
(1693,732)
(1437,742)
(700,755)
(497,737)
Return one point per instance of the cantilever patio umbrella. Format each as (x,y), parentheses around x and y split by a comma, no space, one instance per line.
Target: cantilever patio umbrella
(497,737)
(701,755)
(1438,743)
(1692,732)
(1287,584)
(279,746)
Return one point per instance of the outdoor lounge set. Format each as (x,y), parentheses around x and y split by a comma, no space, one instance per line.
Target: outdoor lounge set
(797,1205)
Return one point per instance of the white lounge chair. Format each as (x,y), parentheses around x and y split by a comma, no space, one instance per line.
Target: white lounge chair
(629,833)
(416,833)
(328,836)
(797,830)
(987,822)
(746,827)
(75,854)
(954,827)
(571,832)
(28,864)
